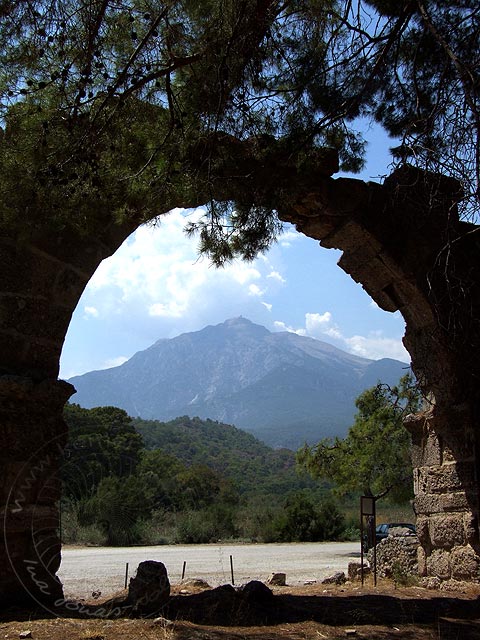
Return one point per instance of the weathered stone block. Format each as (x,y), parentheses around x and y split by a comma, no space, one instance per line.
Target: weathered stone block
(335,578)
(447,531)
(471,528)
(349,236)
(423,532)
(447,477)
(68,287)
(278,579)
(442,503)
(438,564)
(421,561)
(149,590)
(465,564)
(24,271)
(426,448)
(315,227)
(36,316)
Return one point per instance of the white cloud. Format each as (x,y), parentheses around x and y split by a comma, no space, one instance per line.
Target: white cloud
(374,346)
(91,311)
(288,237)
(281,326)
(320,325)
(114,362)
(254,290)
(274,275)
(171,310)
(158,270)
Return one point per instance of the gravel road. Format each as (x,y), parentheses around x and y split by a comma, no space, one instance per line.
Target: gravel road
(88,569)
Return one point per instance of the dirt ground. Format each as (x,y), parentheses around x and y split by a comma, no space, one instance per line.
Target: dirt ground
(310,612)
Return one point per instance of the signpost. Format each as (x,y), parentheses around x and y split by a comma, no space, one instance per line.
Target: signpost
(368,511)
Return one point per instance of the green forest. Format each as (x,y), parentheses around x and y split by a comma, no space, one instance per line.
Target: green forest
(130,481)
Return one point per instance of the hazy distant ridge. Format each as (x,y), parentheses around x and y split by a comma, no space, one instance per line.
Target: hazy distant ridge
(282,387)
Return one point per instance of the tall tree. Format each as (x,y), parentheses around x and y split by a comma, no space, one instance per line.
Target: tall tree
(374,457)
(116,111)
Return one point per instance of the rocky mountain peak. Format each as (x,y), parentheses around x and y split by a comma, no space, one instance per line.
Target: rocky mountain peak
(282,387)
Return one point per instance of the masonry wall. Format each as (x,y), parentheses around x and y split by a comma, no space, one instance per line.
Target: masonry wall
(446,494)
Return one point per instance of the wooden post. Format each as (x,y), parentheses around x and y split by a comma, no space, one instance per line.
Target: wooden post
(183,570)
(231,569)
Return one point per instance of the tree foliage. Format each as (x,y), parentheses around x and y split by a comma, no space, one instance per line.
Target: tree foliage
(198,479)
(374,457)
(102,443)
(117,112)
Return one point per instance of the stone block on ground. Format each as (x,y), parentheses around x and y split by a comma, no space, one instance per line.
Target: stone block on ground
(335,578)
(149,590)
(355,570)
(278,579)
(256,591)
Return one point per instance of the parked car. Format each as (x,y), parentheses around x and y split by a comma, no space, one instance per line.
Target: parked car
(382,531)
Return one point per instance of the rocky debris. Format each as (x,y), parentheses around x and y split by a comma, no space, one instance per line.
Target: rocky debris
(193,585)
(25,634)
(149,590)
(430,583)
(163,622)
(355,570)
(252,603)
(396,553)
(400,531)
(335,578)
(257,592)
(278,579)
(197,583)
(226,606)
(457,586)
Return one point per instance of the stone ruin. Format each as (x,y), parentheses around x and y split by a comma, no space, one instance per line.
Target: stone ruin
(401,240)
(149,590)
(397,553)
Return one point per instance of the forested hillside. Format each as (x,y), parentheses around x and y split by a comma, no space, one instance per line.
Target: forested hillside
(252,466)
(189,480)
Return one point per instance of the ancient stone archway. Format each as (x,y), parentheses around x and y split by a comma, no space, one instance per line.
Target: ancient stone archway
(404,243)
(401,240)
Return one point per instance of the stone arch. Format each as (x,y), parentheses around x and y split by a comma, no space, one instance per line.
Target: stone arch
(404,243)
(399,240)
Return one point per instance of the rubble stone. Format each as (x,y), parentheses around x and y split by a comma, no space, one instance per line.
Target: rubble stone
(396,552)
(278,579)
(336,578)
(149,590)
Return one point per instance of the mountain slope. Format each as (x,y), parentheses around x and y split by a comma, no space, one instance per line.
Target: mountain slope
(282,387)
(252,466)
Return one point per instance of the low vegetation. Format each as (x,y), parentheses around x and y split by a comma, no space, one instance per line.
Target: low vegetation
(132,481)
(185,481)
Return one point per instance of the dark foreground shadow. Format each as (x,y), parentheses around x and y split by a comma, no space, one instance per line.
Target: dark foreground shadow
(226,607)
(255,606)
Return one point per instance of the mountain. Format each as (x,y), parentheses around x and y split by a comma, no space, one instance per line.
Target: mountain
(284,388)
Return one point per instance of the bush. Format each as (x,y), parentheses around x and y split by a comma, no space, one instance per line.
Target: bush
(300,521)
(402,577)
(332,520)
(195,527)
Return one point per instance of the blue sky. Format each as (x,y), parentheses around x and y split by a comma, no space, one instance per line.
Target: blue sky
(155,286)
